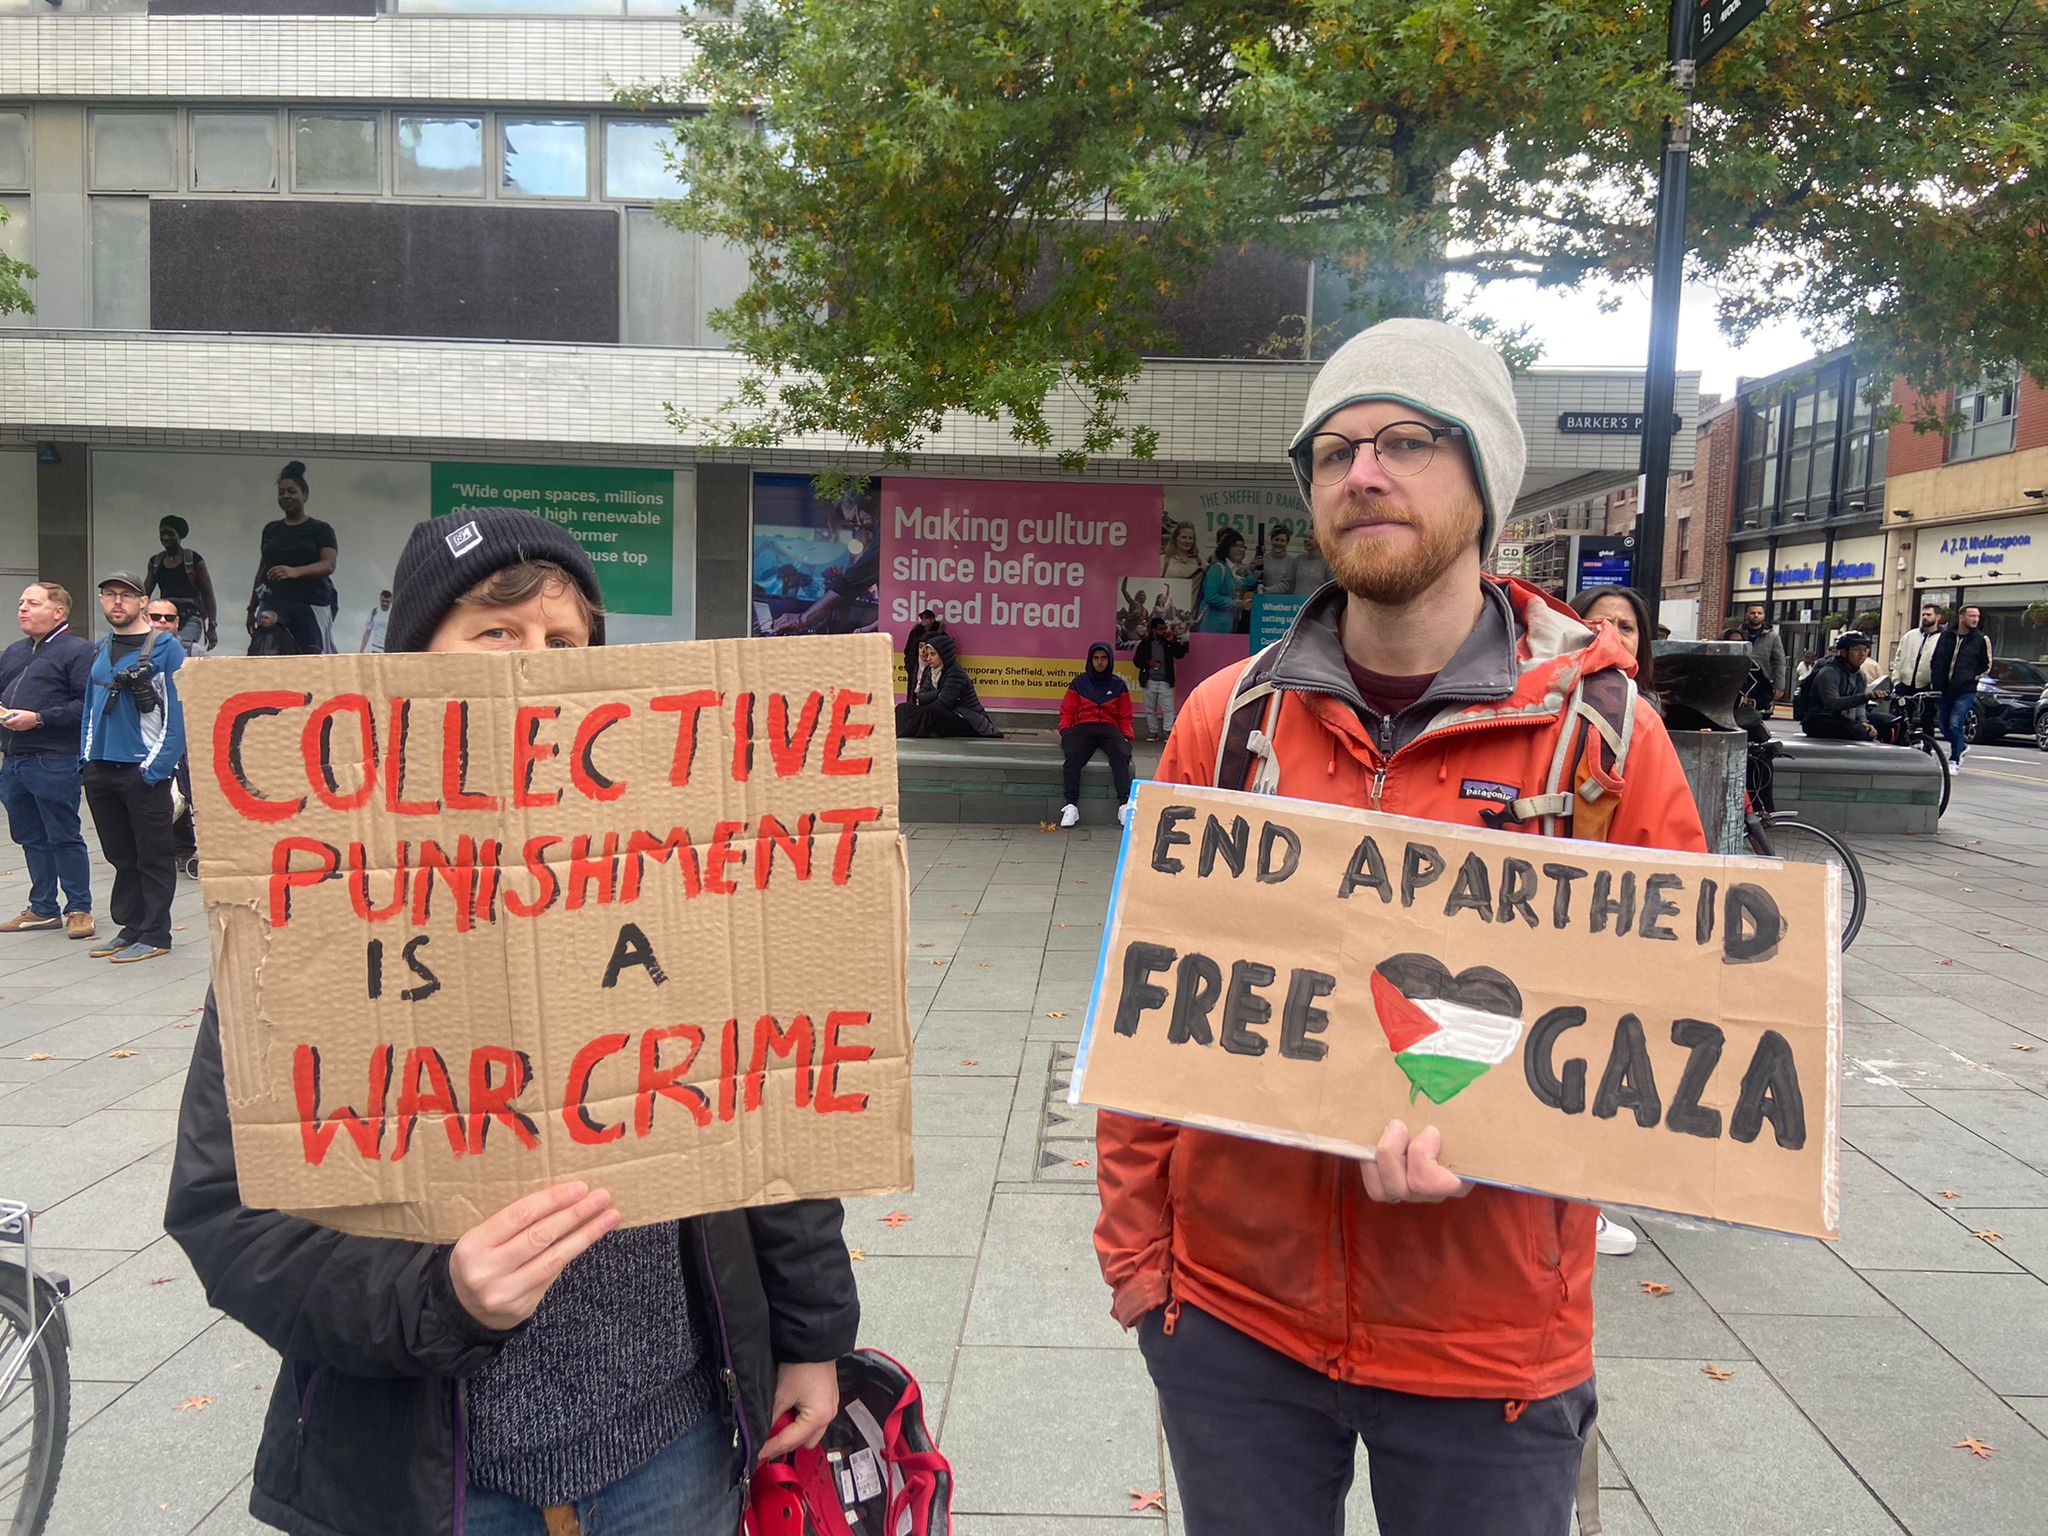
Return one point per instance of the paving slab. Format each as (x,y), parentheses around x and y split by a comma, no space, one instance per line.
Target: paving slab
(137,1315)
(1887,1225)
(1741,1271)
(1931,1153)
(947,1210)
(1893,1403)
(912,1309)
(1018,1446)
(1631,1323)
(123,1210)
(2017,1122)
(2023,1238)
(1996,1325)
(1047,1290)
(979,1044)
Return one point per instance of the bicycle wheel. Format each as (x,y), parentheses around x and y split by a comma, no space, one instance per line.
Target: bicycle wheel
(1926,743)
(1801,842)
(35,1410)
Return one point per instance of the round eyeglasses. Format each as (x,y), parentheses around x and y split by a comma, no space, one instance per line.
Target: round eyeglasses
(1402,448)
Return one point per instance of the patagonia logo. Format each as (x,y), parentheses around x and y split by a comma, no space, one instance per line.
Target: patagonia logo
(1487,789)
(464,539)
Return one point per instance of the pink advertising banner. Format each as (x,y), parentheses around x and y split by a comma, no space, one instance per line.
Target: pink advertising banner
(1026,574)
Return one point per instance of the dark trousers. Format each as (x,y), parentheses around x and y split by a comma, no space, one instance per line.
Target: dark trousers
(300,619)
(1833,728)
(931,720)
(1263,1443)
(40,792)
(1081,742)
(133,820)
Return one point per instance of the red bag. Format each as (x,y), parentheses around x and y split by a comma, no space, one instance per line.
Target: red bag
(877,1472)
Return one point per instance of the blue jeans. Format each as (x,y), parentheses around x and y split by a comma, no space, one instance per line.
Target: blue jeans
(1955,709)
(40,791)
(690,1489)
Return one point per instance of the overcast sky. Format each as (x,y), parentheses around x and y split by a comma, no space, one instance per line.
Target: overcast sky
(1575,333)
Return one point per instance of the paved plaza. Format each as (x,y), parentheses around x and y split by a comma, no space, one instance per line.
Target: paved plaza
(1853,1368)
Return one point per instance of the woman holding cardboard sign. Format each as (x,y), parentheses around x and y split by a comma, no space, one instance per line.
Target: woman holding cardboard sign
(547,1365)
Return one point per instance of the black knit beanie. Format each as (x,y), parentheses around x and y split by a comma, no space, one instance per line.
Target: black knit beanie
(446,556)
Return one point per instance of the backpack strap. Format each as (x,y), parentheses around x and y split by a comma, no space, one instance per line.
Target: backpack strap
(1247,734)
(1594,735)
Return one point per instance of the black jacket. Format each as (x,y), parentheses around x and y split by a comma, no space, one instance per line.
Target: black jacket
(48,678)
(953,690)
(1959,660)
(366,1433)
(1838,689)
(1167,651)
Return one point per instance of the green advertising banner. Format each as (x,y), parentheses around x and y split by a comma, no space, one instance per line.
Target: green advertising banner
(625,519)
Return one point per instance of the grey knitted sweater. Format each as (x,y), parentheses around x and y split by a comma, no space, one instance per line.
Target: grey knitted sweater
(609,1371)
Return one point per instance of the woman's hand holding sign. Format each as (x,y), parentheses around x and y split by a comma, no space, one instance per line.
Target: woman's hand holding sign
(1405,1170)
(502,1266)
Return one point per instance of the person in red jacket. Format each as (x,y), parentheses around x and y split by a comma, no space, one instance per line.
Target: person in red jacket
(1290,1302)
(1095,716)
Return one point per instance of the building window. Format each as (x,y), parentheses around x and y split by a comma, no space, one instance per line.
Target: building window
(234,151)
(120,263)
(15,245)
(438,156)
(1684,545)
(135,151)
(335,152)
(1760,429)
(636,163)
(661,283)
(14,151)
(1864,468)
(1988,416)
(544,157)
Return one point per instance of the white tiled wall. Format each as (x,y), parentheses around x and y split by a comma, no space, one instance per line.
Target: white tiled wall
(329,58)
(372,395)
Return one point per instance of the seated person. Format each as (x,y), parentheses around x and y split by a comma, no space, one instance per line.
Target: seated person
(1095,716)
(1837,697)
(942,699)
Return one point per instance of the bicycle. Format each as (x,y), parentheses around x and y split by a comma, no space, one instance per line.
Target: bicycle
(1775,834)
(1911,723)
(35,1378)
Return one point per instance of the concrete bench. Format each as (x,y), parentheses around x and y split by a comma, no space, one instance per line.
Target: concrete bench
(1014,781)
(1851,786)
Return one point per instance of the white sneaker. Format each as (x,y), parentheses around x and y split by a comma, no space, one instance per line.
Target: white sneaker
(1612,1238)
(1955,767)
(1123,815)
(1070,815)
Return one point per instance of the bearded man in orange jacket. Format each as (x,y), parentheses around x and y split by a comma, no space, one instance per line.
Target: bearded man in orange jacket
(1291,1303)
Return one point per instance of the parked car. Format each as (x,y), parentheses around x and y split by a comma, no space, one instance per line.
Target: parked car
(2007,697)
(2041,722)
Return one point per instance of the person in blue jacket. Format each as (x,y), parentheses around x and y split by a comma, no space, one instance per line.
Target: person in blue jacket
(134,737)
(1219,604)
(42,698)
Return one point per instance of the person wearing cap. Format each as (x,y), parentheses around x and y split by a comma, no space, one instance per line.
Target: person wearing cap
(134,737)
(180,574)
(1837,702)
(548,1372)
(43,678)
(1289,1302)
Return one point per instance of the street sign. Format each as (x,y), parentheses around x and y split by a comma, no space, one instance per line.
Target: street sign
(1601,423)
(1717,22)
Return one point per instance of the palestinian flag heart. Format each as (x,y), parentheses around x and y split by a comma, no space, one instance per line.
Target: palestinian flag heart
(1445,1030)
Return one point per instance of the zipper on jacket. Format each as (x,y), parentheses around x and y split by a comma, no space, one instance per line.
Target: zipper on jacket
(727,1373)
(306,1403)
(459,1400)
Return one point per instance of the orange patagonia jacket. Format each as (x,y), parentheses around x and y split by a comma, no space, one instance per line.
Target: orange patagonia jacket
(1486,1296)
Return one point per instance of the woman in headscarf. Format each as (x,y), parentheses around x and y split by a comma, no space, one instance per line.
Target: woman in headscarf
(942,699)
(1095,716)
(1220,603)
(1624,608)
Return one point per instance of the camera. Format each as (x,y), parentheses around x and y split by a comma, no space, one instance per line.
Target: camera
(135,682)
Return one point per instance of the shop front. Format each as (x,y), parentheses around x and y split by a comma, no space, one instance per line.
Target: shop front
(2001,566)
(1809,592)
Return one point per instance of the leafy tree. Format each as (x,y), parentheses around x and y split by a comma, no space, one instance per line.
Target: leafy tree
(970,205)
(14,276)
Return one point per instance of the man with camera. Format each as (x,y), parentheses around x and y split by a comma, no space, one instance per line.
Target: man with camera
(134,736)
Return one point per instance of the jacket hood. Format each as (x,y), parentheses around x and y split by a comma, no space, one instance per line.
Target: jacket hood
(1099,687)
(943,644)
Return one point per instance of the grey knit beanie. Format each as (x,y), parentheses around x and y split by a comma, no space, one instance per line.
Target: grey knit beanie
(446,556)
(1439,369)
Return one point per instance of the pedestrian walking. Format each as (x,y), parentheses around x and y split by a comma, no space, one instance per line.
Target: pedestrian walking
(43,678)
(299,554)
(379,625)
(1913,661)
(180,575)
(1154,658)
(942,699)
(549,1372)
(1095,716)
(1961,656)
(1772,680)
(1290,1302)
(134,736)
(1836,696)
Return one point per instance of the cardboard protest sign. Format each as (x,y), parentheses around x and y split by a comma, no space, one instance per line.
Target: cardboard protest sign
(1603,1023)
(481,923)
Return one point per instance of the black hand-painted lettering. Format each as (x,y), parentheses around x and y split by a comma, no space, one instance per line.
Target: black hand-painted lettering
(1165,839)
(1368,869)
(1605,904)
(1244,1010)
(1420,864)
(374,959)
(1472,891)
(1141,962)
(1566,1092)
(1301,1019)
(1770,1091)
(1688,1115)
(1517,888)
(1231,844)
(1562,875)
(1753,926)
(1196,986)
(631,948)
(1657,906)
(1703,915)
(1274,835)
(429,982)
(1629,1081)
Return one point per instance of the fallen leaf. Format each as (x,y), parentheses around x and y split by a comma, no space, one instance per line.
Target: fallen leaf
(1079,1162)
(924,944)
(1948,962)
(895,1219)
(189,1024)
(163,1280)
(1716,1372)
(1975,1447)
(177,927)
(858,1255)
(1655,1288)
(984,965)
(969,1061)
(123,1055)
(1056,1014)
(41,1056)
(1989,1235)
(1063,925)
(196,1404)
(1950,1194)
(1156,1499)
(1079,881)
(935,962)
(2019,1046)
